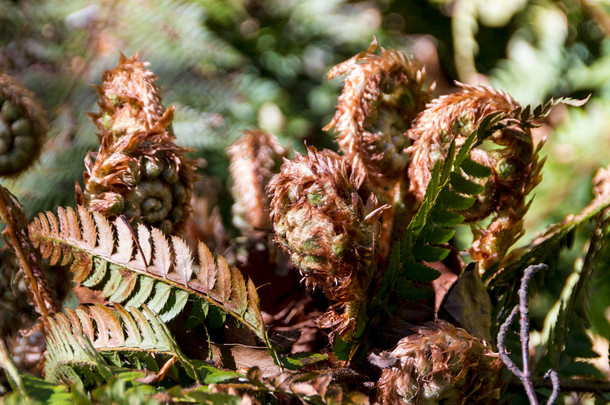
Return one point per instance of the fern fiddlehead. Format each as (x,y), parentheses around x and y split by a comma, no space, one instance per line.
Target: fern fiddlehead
(138,171)
(507,174)
(440,363)
(320,220)
(22,127)
(381,96)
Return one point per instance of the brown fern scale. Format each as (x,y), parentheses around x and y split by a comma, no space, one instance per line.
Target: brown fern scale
(255,158)
(515,166)
(381,96)
(320,220)
(22,127)
(442,364)
(130,100)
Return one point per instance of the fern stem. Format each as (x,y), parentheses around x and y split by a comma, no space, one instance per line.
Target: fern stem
(33,281)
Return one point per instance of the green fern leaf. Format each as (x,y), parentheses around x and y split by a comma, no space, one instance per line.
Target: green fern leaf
(437,234)
(429,253)
(420,272)
(455,201)
(475,169)
(159,272)
(77,338)
(464,186)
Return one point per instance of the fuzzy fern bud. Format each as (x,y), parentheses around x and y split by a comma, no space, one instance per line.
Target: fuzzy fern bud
(22,127)
(320,220)
(442,364)
(130,100)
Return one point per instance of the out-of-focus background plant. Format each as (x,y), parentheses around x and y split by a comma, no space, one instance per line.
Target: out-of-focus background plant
(232,65)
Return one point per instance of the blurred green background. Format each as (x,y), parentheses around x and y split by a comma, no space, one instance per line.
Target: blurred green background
(230,65)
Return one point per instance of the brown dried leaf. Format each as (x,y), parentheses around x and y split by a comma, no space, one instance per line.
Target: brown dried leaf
(223,279)
(55,254)
(110,332)
(74,228)
(145,245)
(133,334)
(53,224)
(85,321)
(207,269)
(124,242)
(254,304)
(74,321)
(63,223)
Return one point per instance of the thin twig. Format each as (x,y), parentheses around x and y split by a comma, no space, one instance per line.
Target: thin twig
(524,375)
(524,333)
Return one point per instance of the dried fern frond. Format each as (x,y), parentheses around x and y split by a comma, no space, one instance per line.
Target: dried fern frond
(255,158)
(320,220)
(505,175)
(441,364)
(144,269)
(130,101)
(125,331)
(22,127)
(382,94)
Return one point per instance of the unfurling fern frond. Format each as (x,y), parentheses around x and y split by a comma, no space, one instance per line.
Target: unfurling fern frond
(382,94)
(424,241)
(320,220)
(146,268)
(514,167)
(138,170)
(77,336)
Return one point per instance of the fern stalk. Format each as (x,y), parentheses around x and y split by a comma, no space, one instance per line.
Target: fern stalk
(44,301)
